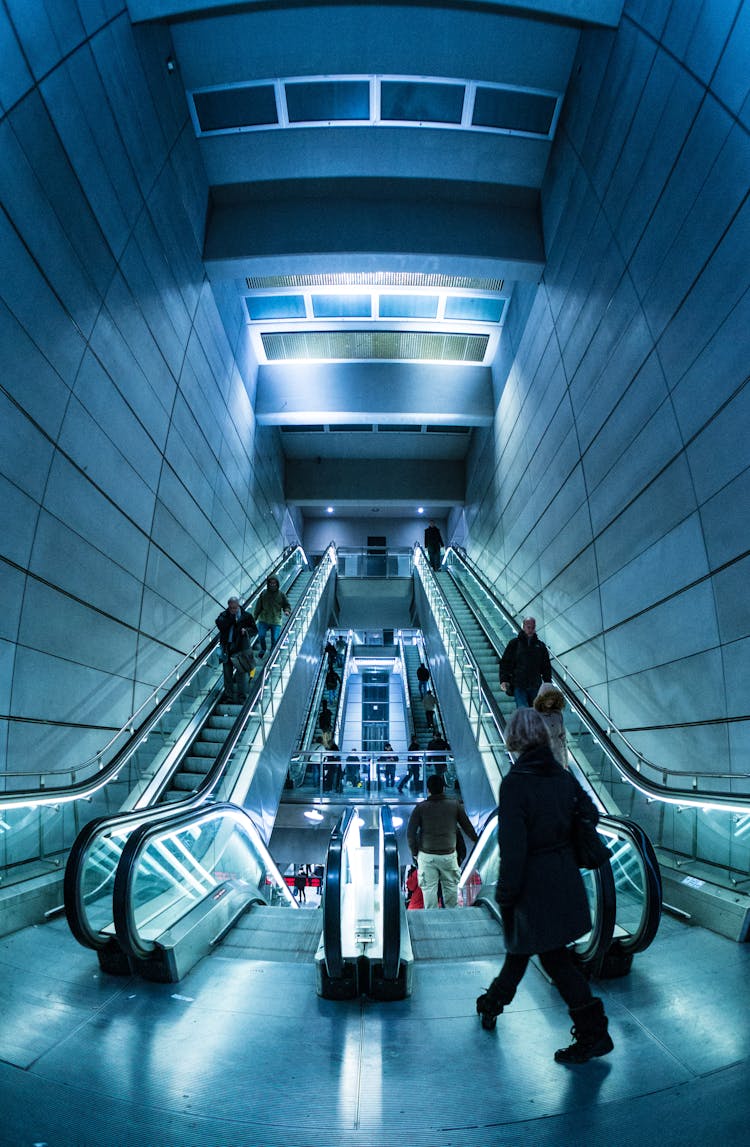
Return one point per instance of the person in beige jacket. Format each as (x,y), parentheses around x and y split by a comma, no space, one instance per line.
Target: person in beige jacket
(550,702)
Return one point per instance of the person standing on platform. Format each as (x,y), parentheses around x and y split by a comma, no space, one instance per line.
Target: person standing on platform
(389,760)
(431,834)
(433,543)
(414,761)
(525,665)
(271,606)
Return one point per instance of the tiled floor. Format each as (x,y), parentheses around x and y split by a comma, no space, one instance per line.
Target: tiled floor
(244,1053)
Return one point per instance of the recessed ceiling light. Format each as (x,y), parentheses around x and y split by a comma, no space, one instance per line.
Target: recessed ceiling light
(329,509)
(420,509)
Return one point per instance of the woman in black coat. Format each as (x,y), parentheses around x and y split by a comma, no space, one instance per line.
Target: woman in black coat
(540,891)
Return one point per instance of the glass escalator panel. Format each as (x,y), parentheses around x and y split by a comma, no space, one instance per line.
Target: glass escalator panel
(194,861)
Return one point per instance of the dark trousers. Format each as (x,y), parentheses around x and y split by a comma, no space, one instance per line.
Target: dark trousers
(559,966)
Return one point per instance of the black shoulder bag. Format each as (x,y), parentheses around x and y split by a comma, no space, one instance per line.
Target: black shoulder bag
(589,848)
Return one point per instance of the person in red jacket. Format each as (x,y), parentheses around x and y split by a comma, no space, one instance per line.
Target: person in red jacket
(416,899)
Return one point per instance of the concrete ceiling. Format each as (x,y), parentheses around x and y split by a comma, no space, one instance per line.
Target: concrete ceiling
(420,204)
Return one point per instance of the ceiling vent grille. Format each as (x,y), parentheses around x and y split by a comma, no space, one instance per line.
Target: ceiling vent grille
(393,346)
(377,279)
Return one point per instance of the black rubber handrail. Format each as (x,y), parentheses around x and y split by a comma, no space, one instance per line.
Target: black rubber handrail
(123,909)
(334,876)
(642,936)
(390,891)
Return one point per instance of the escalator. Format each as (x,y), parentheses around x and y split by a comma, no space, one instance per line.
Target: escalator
(474,630)
(203,883)
(95,855)
(198,763)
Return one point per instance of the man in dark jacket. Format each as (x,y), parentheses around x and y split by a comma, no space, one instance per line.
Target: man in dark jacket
(236,631)
(433,542)
(432,839)
(524,665)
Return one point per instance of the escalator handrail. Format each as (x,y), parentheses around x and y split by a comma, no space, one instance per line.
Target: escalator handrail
(643,936)
(716,798)
(75,866)
(139,840)
(332,888)
(83,789)
(487,694)
(390,896)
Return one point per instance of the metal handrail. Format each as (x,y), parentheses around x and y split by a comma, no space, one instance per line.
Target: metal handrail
(487,705)
(716,799)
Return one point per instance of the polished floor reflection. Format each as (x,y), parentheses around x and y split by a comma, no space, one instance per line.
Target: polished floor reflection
(244,1052)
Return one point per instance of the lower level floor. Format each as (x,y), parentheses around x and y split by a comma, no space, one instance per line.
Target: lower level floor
(244,1052)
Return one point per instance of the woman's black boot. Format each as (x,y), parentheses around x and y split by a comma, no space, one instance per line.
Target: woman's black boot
(590,1033)
(488,1009)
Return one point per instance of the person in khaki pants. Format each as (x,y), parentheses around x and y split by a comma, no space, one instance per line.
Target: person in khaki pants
(431,834)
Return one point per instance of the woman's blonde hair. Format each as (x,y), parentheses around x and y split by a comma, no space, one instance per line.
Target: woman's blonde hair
(525,729)
(549,699)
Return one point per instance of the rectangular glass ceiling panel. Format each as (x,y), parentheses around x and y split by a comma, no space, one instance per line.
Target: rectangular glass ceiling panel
(236,107)
(513,111)
(480,310)
(408,306)
(413,102)
(328,99)
(261,307)
(342,306)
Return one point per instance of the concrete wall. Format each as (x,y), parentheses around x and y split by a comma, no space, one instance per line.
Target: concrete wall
(612,498)
(135,490)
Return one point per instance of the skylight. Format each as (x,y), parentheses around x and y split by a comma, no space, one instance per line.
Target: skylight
(382,101)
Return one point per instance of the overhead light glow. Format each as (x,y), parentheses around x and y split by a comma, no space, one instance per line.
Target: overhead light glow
(313,814)
(329,509)
(420,510)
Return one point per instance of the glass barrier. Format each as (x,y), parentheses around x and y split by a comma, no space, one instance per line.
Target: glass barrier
(374,563)
(167,869)
(366,778)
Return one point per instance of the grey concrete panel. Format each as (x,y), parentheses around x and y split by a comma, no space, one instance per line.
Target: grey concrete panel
(75,500)
(84,570)
(55,624)
(150,404)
